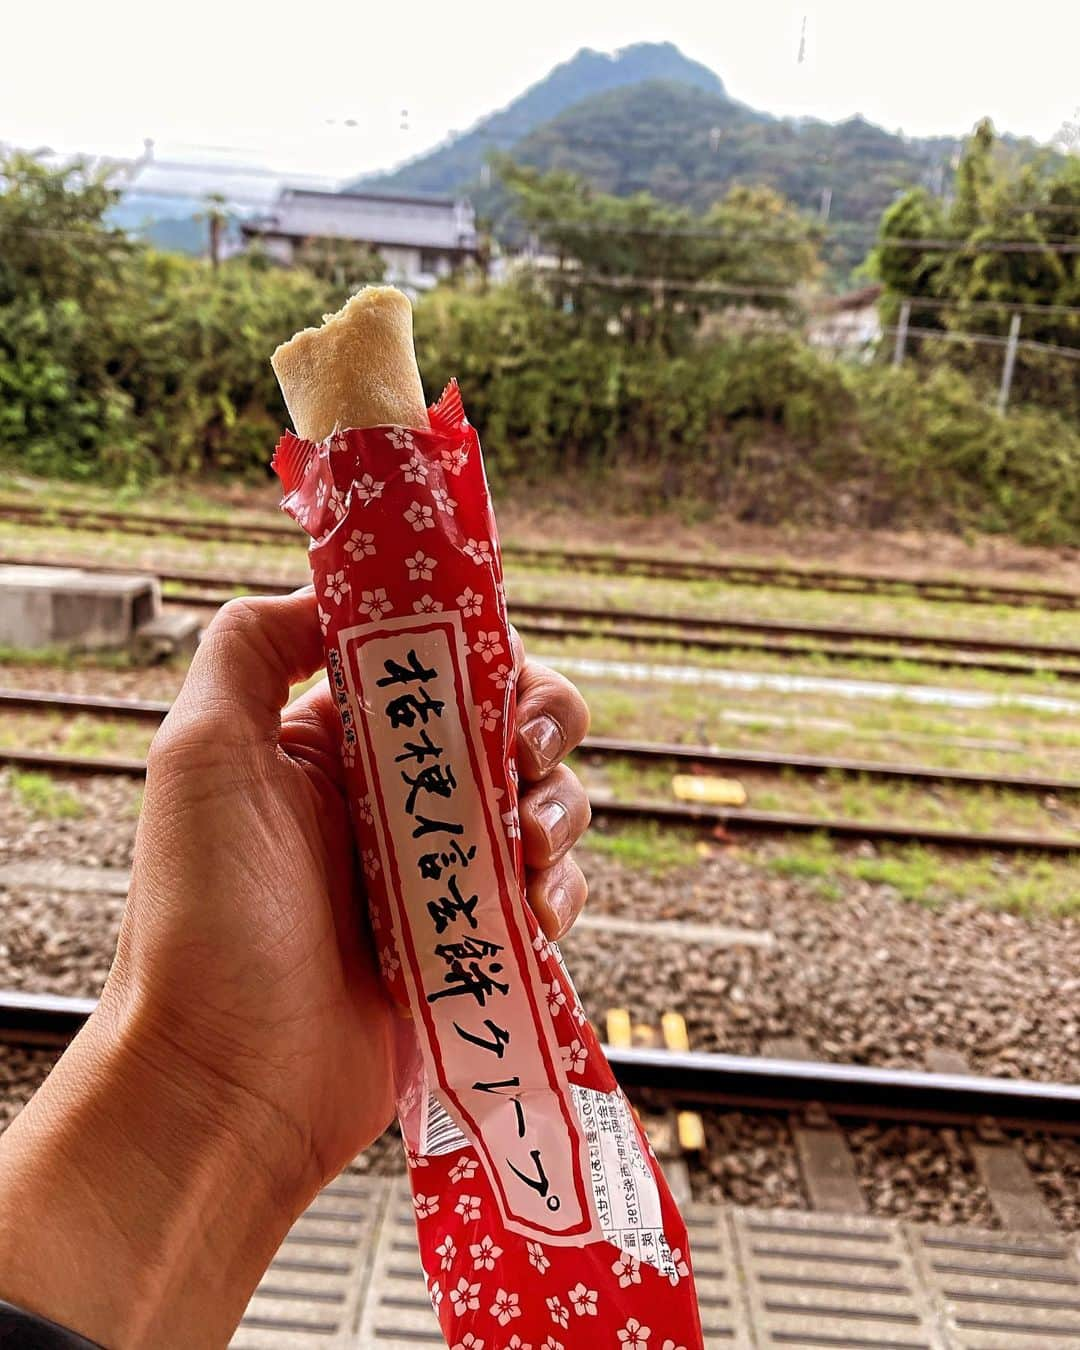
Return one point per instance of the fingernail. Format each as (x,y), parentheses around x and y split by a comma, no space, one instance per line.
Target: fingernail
(553,819)
(562,909)
(545,736)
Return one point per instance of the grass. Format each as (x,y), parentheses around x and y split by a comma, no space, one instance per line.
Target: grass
(1028,885)
(718,600)
(79,735)
(645,847)
(44,797)
(998,740)
(983,810)
(896,671)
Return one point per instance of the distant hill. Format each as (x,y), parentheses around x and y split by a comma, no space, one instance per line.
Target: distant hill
(649,119)
(688,146)
(452,166)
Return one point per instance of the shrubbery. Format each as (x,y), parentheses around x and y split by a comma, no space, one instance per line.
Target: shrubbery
(118,363)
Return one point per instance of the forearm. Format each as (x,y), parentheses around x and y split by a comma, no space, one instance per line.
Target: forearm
(140,1206)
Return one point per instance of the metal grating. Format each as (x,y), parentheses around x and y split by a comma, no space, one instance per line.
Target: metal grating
(723,1309)
(397,1314)
(311,1293)
(817,1280)
(348,1278)
(997,1291)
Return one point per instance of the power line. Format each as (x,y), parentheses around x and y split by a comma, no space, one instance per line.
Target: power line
(987,339)
(928,245)
(803,298)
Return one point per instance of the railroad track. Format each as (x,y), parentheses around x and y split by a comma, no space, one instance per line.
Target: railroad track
(698,1078)
(737,573)
(203,590)
(606,747)
(724,822)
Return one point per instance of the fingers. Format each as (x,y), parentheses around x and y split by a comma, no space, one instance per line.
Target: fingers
(552,718)
(557,896)
(311,731)
(554,815)
(239,679)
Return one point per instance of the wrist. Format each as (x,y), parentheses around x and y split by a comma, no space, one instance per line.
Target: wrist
(142,1194)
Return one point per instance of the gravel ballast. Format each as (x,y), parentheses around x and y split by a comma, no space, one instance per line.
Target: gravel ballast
(865,978)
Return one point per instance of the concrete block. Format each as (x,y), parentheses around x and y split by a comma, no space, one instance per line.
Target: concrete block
(167,635)
(65,607)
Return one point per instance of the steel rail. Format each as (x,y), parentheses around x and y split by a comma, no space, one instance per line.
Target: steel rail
(722,819)
(214,590)
(41,1019)
(735,757)
(774,647)
(783,628)
(736,820)
(801,578)
(639,564)
(685,637)
(730,757)
(701,1079)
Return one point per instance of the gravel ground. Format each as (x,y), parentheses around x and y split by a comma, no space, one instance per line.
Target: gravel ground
(863,978)
(88,677)
(21,1074)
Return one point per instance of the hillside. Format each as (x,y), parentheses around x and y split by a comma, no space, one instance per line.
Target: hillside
(688,146)
(451,166)
(649,119)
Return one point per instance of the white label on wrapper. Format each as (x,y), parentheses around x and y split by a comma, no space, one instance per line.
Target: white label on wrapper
(624,1188)
(458,922)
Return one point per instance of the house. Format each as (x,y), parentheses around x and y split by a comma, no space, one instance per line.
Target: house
(419,238)
(849,323)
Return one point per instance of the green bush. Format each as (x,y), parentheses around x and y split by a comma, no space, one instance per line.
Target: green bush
(118,363)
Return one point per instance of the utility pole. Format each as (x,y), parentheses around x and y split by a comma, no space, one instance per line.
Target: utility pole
(215,217)
(215,238)
(1010,364)
(901,333)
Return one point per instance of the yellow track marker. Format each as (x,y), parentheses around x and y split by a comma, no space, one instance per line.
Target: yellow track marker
(618,1028)
(709,791)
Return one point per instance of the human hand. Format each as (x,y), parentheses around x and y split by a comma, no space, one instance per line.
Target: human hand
(241,1052)
(244,932)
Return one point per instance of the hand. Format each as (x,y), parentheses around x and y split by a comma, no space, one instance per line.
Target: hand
(244,1010)
(244,930)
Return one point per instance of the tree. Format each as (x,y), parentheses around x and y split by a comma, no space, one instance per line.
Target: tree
(341,262)
(656,270)
(973,282)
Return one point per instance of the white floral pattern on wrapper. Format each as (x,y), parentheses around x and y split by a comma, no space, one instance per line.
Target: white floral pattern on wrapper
(469,603)
(374,604)
(360,544)
(634,1336)
(465,1296)
(401,532)
(420,566)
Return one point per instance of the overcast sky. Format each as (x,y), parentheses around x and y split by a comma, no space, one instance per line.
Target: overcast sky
(277,83)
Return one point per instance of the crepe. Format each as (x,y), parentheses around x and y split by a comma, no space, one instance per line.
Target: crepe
(357,370)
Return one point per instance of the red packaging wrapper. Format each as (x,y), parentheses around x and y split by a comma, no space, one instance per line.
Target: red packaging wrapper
(543,1218)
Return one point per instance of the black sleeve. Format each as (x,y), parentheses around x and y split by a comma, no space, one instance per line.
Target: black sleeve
(20,1330)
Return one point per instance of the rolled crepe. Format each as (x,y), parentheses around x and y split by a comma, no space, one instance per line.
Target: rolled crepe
(357,370)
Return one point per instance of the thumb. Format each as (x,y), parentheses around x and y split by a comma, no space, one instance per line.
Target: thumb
(239,680)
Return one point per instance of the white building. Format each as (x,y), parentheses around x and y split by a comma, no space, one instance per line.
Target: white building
(419,238)
(847,324)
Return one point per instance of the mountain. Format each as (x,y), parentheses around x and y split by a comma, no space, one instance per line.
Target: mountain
(688,145)
(458,162)
(649,119)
